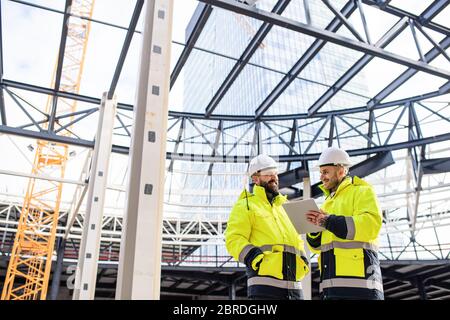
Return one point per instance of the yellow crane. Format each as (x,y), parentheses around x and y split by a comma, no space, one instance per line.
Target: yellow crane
(31,256)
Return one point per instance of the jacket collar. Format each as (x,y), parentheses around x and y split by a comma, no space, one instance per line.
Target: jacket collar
(260,193)
(344,184)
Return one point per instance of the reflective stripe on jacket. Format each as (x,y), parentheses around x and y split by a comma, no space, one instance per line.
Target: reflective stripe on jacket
(255,223)
(348,261)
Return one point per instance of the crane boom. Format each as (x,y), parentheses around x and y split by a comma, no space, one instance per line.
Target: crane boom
(30,261)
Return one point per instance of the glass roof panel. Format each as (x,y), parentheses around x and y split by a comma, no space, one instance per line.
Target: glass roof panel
(345,100)
(418,84)
(281,49)
(380,73)
(378,21)
(296,98)
(225,27)
(248,91)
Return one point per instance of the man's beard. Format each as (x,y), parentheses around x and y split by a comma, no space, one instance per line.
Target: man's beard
(334,183)
(270,187)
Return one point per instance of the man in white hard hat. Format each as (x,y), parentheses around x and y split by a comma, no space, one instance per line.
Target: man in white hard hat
(348,261)
(260,235)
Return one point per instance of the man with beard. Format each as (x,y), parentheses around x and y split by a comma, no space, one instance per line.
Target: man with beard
(348,261)
(260,235)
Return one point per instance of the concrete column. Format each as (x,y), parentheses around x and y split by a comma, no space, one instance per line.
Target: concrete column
(306,282)
(86,272)
(139,274)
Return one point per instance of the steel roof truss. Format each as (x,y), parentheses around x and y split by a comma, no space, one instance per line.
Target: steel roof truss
(301,64)
(386,39)
(245,57)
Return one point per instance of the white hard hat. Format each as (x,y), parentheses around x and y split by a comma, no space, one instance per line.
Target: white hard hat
(334,156)
(261,162)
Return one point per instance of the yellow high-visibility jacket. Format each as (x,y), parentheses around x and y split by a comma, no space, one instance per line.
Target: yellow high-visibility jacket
(259,230)
(348,260)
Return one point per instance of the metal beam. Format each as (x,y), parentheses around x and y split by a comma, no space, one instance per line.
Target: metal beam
(433,10)
(122,125)
(29,116)
(373,164)
(328,36)
(395,126)
(435,44)
(343,19)
(292,140)
(241,137)
(394,85)
(434,166)
(363,20)
(177,143)
(370,165)
(424,19)
(33,5)
(317,134)
(222,158)
(279,136)
(59,66)
(301,64)
(216,145)
(125,47)
(371,127)
(61,94)
(358,66)
(363,135)
(257,143)
(84,115)
(245,57)
(292,177)
(195,27)
(199,116)
(331,132)
(416,40)
(206,276)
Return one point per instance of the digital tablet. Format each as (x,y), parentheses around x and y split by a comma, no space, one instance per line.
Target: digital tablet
(296,210)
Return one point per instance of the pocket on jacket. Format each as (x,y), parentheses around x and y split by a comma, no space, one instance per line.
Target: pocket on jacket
(301,268)
(272,265)
(349,262)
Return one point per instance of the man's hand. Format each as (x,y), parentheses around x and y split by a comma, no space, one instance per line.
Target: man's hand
(319,218)
(257,261)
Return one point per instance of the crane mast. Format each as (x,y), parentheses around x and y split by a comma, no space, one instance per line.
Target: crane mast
(30,261)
